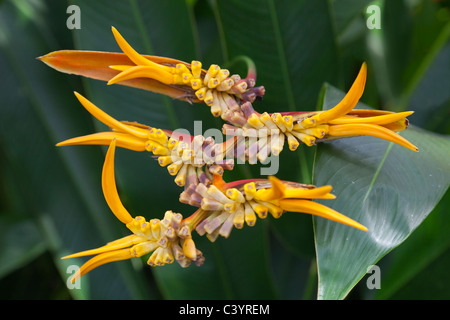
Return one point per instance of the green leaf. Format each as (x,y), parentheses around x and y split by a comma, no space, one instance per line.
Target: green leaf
(410,263)
(21,242)
(345,12)
(387,188)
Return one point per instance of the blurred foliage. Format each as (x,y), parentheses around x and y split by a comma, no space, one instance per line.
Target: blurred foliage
(51,199)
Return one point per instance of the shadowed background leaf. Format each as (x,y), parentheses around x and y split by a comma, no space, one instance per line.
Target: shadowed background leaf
(385,187)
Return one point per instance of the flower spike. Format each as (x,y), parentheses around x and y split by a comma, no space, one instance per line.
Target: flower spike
(224,205)
(183,155)
(311,128)
(170,239)
(215,86)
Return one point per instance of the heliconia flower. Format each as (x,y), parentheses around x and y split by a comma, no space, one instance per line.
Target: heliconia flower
(310,128)
(184,156)
(216,87)
(169,239)
(227,205)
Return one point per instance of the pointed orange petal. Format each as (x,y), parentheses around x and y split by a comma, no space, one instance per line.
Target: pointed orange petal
(314,208)
(101,259)
(376,119)
(128,50)
(108,120)
(123,140)
(314,193)
(343,130)
(110,189)
(112,246)
(143,72)
(349,101)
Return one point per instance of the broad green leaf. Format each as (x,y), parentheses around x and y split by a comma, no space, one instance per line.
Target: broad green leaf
(428,244)
(387,188)
(407,264)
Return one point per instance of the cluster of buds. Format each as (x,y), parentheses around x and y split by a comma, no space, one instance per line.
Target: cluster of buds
(198,163)
(169,239)
(310,128)
(216,87)
(184,156)
(224,205)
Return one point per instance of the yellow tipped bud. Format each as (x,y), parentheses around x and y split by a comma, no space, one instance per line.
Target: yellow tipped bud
(216,108)
(181,68)
(318,132)
(172,143)
(308,122)
(250,190)
(266,119)
(155,227)
(196,84)
(164,160)
(305,138)
(174,167)
(196,69)
(239,218)
(142,248)
(181,176)
(189,249)
(240,87)
(212,72)
(260,209)
(209,99)
(288,122)
(274,210)
(213,82)
(159,136)
(222,74)
(255,122)
(186,78)
(225,85)
(249,215)
(278,120)
(235,195)
(292,141)
(159,150)
(187,156)
(201,93)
